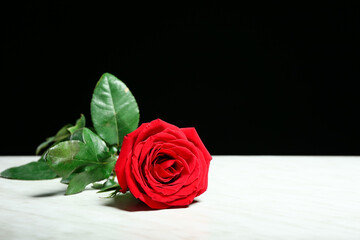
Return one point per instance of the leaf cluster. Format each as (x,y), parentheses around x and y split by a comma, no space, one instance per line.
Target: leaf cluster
(81,155)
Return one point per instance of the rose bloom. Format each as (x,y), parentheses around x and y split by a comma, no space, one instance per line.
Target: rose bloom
(163,165)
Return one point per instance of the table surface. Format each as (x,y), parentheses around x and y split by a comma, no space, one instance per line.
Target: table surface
(249,197)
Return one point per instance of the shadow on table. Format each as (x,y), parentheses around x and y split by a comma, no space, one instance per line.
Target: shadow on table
(128,202)
(50,194)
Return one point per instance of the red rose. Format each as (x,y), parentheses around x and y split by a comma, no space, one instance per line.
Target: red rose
(163,165)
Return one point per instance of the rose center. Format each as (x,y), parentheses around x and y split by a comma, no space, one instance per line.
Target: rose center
(167,170)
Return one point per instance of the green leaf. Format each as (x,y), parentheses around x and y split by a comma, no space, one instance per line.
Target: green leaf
(77,135)
(63,134)
(93,142)
(82,160)
(91,174)
(44,144)
(32,171)
(109,185)
(114,110)
(80,123)
(97,185)
(66,180)
(65,157)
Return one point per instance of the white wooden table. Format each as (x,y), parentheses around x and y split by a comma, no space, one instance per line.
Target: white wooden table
(249,197)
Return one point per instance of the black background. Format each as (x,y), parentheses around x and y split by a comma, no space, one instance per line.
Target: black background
(260,78)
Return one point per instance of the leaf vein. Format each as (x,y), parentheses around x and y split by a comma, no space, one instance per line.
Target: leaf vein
(113,108)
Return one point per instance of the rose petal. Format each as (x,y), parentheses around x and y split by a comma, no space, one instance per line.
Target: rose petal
(193,137)
(150,202)
(168,170)
(184,201)
(152,128)
(176,132)
(124,156)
